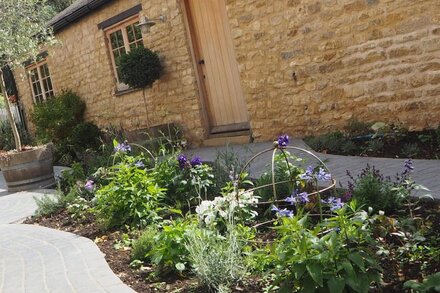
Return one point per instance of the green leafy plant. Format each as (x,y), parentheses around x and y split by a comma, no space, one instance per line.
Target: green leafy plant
(7,137)
(429,284)
(140,68)
(285,170)
(60,120)
(131,197)
(410,150)
(52,204)
(164,247)
(335,255)
(372,189)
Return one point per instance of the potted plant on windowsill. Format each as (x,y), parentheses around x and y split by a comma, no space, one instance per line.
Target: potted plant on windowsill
(20,38)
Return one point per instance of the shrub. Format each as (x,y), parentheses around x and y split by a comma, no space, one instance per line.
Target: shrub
(335,256)
(330,142)
(60,120)
(140,68)
(144,244)
(56,118)
(410,150)
(52,204)
(164,247)
(430,284)
(372,189)
(218,261)
(131,197)
(85,135)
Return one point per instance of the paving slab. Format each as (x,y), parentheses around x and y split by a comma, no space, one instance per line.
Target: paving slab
(426,172)
(38,259)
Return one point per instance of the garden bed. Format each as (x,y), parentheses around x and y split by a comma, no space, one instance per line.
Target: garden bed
(395,274)
(388,142)
(177,224)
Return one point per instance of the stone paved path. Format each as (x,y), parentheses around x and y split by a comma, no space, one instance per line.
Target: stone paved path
(36,259)
(426,173)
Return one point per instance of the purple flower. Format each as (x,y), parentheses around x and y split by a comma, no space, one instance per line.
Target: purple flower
(408,165)
(196,161)
(89,185)
(308,175)
(283,140)
(123,147)
(139,164)
(282,212)
(335,203)
(183,161)
(323,175)
(294,198)
(347,196)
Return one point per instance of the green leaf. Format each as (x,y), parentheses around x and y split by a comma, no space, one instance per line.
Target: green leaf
(336,285)
(309,286)
(180,267)
(358,260)
(315,271)
(298,270)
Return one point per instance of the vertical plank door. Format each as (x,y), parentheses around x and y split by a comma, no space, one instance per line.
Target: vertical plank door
(218,66)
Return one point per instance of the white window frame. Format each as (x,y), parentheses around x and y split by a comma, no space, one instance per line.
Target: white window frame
(121,26)
(45,94)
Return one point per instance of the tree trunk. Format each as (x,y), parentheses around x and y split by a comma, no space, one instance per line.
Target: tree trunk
(10,117)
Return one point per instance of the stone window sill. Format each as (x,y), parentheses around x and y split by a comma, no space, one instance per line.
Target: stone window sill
(126,91)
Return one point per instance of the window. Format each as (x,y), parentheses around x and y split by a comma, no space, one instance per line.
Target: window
(41,84)
(121,39)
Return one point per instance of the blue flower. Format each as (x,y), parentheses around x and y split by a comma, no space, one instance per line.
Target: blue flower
(196,161)
(282,212)
(183,161)
(308,175)
(283,140)
(294,198)
(335,203)
(323,175)
(123,147)
(139,164)
(89,185)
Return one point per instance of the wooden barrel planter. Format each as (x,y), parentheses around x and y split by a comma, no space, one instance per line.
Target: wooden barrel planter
(29,169)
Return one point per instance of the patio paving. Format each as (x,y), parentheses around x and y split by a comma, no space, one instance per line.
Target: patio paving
(35,259)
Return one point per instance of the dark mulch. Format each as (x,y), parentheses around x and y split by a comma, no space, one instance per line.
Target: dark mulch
(397,272)
(394,275)
(119,259)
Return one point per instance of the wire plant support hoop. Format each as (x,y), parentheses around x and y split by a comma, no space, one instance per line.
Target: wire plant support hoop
(276,148)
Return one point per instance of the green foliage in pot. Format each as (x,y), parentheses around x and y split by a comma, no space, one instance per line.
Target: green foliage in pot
(140,68)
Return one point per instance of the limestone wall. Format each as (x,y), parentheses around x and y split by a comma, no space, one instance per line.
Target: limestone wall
(306,66)
(81,62)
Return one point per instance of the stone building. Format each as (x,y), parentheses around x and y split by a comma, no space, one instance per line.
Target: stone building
(248,68)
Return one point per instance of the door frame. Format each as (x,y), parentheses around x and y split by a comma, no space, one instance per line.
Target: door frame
(194,50)
(208,124)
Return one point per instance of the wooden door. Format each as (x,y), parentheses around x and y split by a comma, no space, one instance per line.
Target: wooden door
(217,65)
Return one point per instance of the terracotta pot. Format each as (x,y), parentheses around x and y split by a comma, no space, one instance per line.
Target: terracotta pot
(30,169)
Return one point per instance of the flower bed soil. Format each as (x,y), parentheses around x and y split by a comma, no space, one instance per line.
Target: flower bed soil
(393,147)
(119,259)
(395,273)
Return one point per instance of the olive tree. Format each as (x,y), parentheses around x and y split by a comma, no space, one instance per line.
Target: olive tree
(23,30)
